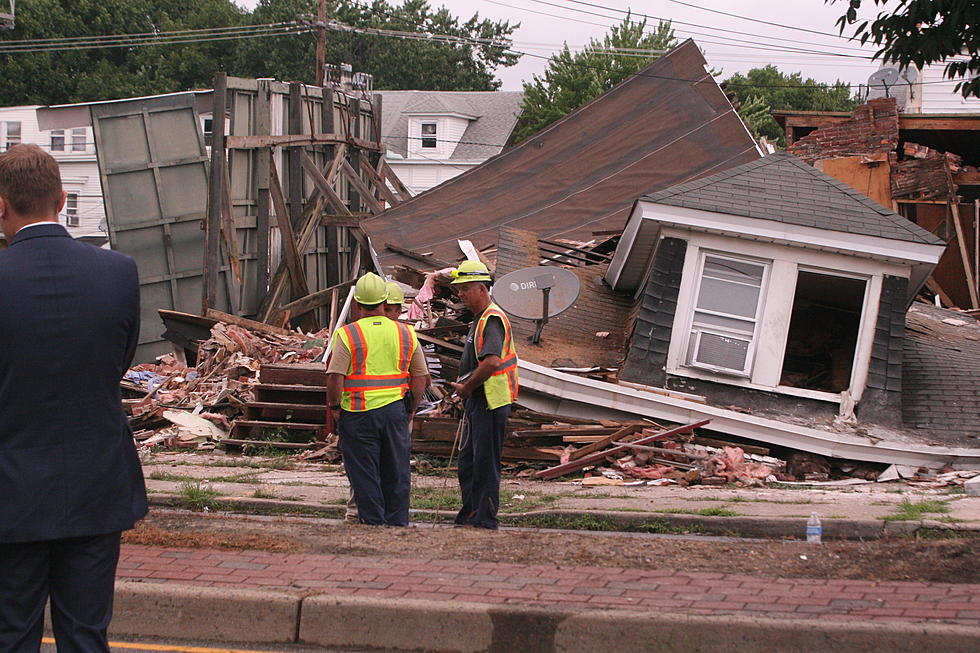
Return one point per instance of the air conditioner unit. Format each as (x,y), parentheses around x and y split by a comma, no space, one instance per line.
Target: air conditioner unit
(720,353)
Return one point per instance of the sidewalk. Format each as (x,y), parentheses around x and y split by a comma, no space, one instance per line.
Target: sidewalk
(400,602)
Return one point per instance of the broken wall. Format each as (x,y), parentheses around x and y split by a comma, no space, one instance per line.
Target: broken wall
(873,128)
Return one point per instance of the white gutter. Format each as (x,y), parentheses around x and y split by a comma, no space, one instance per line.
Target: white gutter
(560,393)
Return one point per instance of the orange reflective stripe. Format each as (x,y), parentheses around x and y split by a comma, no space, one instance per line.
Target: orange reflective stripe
(358,363)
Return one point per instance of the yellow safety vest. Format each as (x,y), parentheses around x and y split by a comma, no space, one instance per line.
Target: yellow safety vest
(501,388)
(381,351)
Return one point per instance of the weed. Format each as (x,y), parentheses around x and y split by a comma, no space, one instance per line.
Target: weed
(913,511)
(167,476)
(717,511)
(198,497)
(436,498)
(263,494)
(250,477)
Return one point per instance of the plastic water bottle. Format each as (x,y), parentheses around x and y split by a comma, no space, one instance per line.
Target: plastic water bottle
(814,531)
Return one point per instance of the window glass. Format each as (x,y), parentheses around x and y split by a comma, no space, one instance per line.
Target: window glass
(78,138)
(58,140)
(428,134)
(13,134)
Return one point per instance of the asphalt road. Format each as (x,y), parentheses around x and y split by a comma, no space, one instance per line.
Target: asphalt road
(146,645)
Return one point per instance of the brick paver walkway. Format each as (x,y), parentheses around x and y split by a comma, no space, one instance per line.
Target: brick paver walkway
(565,586)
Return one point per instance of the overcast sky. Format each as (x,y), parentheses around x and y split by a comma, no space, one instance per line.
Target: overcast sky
(546,24)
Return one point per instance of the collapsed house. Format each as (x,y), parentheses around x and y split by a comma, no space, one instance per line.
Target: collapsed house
(921,165)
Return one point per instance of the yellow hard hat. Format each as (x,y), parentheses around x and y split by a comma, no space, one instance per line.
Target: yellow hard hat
(395,293)
(370,289)
(471,271)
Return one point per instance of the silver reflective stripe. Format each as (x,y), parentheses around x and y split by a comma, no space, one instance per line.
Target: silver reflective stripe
(374,383)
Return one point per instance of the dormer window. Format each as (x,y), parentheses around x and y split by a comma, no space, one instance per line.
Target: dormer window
(429,135)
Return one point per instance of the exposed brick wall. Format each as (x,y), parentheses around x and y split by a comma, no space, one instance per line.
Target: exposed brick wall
(873,127)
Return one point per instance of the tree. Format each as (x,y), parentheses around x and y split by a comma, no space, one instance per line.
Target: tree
(421,64)
(80,75)
(571,80)
(762,90)
(921,32)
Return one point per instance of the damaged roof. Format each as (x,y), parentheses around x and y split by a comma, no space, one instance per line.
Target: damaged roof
(492,116)
(667,124)
(783,188)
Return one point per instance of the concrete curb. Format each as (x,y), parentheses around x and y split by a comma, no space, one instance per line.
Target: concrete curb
(183,612)
(644,522)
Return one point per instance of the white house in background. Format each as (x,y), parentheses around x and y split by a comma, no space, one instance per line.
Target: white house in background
(74,149)
(922,91)
(432,136)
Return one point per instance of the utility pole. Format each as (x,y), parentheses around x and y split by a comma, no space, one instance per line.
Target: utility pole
(321,40)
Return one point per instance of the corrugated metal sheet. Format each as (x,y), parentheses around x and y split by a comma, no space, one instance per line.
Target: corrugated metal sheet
(666,125)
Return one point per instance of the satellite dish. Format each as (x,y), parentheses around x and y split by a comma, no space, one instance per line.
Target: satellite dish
(536,294)
(884,79)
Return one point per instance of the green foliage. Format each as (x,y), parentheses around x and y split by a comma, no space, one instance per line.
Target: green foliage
(921,32)
(107,73)
(913,511)
(762,90)
(395,63)
(571,80)
(53,77)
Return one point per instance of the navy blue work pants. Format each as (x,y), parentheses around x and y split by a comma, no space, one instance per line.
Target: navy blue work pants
(479,462)
(77,573)
(377,449)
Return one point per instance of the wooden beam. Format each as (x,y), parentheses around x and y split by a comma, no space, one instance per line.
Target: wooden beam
(245,323)
(945,123)
(314,300)
(379,184)
(439,342)
(349,220)
(322,184)
(576,465)
(212,222)
(388,173)
(964,255)
(228,227)
(293,261)
(424,258)
(297,140)
(366,195)
(967,179)
(606,441)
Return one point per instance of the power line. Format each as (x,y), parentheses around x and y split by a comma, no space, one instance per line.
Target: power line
(753,20)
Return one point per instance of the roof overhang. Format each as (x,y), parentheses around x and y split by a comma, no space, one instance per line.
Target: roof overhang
(629,263)
(439,114)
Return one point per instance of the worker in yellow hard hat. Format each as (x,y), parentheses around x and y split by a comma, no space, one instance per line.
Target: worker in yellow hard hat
(375,379)
(395,301)
(488,384)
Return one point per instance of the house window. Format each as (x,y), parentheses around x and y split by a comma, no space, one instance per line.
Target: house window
(725,314)
(823,332)
(428,135)
(11,134)
(78,140)
(57,140)
(71,209)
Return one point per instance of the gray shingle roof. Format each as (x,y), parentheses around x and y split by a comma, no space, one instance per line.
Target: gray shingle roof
(783,188)
(495,114)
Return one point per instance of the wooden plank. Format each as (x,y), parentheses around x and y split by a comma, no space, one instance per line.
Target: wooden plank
(533,433)
(338,158)
(349,220)
(964,255)
(322,184)
(594,256)
(606,441)
(424,258)
(934,286)
(365,193)
(436,341)
(314,300)
(379,184)
(235,442)
(389,174)
(293,262)
(967,179)
(212,222)
(576,465)
(298,140)
(228,228)
(245,323)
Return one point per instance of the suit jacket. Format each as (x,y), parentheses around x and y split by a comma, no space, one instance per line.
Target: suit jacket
(69,324)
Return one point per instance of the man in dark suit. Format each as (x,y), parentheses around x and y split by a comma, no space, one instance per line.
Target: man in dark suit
(70,478)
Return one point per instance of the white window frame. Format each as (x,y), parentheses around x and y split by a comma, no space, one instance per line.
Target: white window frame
(79,139)
(434,136)
(694,333)
(7,144)
(60,146)
(71,209)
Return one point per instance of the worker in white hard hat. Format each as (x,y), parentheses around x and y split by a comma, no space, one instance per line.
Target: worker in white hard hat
(375,378)
(488,384)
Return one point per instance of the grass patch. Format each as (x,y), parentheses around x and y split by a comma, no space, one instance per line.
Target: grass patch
(913,511)
(581,523)
(198,497)
(437,498)
(250,477)
(263,494)
(167,476)
(717,511)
